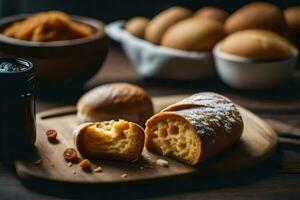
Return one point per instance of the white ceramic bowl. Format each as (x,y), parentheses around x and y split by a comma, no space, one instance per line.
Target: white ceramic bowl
(153,61)
(244,73)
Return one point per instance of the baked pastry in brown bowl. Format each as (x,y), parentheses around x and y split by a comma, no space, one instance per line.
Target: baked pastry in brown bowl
(68,58)
(115,101)
(195,128)
(114,140)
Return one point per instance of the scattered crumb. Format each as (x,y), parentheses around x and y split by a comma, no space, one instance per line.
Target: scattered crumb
(69,164)
(145,167)
(162,163)
(98,169)
(85,165)
(74,172)
(38,162)
(124,176)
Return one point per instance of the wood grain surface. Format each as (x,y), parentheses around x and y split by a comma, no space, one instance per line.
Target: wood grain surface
(258,143)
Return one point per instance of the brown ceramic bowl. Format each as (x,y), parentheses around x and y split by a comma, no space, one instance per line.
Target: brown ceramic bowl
(69,60)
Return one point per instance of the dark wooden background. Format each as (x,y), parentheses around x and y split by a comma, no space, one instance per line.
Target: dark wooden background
(110,10)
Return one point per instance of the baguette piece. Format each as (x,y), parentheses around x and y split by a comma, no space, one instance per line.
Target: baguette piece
(113,140)
(195,128)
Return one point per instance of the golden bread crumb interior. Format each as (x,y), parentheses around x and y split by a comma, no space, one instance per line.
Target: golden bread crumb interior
(175,139)
(111,137)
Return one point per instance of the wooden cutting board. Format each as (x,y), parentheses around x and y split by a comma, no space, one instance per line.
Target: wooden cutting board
(258,143)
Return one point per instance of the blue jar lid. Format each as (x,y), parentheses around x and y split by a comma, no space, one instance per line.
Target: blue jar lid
(16,76)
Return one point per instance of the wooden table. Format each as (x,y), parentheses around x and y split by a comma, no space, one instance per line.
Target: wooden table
(278,178)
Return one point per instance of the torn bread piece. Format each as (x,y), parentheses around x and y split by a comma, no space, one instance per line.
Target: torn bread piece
(195,128)
(113,140)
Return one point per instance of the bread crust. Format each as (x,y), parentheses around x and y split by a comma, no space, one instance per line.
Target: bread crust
(132,155)
(213,13)
(115,101)
(214,119)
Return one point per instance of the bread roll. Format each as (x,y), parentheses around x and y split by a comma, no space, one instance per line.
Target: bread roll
(292,16)
(194,35)
(258,45)
(195,128)
(114,140)
(137,26)
(164,20)
(258,15)
(212,13)
(115,101)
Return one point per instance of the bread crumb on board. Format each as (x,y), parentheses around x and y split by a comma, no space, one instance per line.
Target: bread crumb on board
(85,165)
(146,167)
(124,176)
(70,164)
(162,163)
(98,169)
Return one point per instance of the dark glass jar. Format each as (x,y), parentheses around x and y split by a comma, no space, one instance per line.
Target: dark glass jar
(17,109)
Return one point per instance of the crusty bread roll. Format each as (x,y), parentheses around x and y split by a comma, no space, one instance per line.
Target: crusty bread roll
(214,13)
(292,16)
(194,35)
(115,101)
(114,140)
(258,45)
(164,20)
(258,15)
(195,128)
(137,26)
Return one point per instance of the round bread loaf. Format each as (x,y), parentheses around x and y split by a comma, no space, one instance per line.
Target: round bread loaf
(113,102)
(258,45)
(258,15)
(212,13)
(164,20)
(292,16)
(194,35)
(137,26)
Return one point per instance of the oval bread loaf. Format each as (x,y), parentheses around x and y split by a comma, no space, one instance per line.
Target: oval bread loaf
(258,15)
(163,21)
(137,26)
(194,35)
(292,16)
(258,45)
